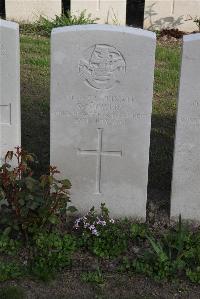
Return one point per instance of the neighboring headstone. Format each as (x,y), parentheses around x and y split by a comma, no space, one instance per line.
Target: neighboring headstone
(107,11)
(101,103)
(10,122)
(180,14)
(185,199)
(30,11)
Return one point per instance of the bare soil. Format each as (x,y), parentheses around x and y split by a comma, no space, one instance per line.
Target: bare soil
(69,285)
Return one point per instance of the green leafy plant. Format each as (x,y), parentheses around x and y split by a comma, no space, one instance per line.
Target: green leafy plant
(44,26)
(51,252)
(138,230)
(28,204)
(95,277)
(10,270)
(9,246)
(194,274)
(197,22)
(192,257)
(101,234)
(111,243)
(169,255)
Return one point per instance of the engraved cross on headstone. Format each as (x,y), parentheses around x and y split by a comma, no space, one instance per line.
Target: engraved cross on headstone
(2,50)
(99,153)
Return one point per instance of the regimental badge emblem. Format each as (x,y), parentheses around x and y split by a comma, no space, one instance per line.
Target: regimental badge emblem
(102,67)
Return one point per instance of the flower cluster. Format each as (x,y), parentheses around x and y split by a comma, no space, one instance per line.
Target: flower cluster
(92,222)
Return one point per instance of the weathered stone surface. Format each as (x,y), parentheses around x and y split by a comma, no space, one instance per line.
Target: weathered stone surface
(185,198)
(10,122)
(101,102)
(162,14)
(106,11)
(30,11)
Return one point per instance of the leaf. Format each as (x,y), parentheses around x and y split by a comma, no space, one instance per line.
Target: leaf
(2,195)
(50,180)
(30,183)
(29,157)
(71,209)
(158,249)
(21,202)
(53,219)
(138,230)
(66,183)
(7,231)
(9,155)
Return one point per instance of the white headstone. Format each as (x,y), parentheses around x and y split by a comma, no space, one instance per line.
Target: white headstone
(101,102)
(165,14)
(107,11)
(10,124)
(185,198)
(30,11)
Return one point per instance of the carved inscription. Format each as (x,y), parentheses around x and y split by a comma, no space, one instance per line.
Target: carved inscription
(5,114)
(192,118)
(190,121)
(102,67)
(2,50)
(196,104)
(99,153)
(107,110)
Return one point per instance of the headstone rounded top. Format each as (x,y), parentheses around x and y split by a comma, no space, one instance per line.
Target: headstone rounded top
(191,37)
(8,24)
(113,28)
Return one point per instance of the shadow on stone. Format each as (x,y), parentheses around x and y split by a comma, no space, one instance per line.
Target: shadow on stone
(160,23)
(2,9)
(160,166)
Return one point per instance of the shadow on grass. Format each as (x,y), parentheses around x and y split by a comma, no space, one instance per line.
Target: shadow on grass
(36,130)
(161,161)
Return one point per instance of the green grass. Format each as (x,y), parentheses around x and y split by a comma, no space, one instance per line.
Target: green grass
(35,86)
(163,117)
(35,91)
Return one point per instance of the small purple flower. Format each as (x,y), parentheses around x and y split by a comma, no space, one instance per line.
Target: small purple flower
(86,225)
(95,232)
(92,227)
(101,222)
(112,221)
